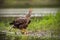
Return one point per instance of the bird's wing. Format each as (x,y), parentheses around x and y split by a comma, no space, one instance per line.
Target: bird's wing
(21,21)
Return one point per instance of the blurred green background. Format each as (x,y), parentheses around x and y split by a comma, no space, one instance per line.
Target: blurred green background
(43,24)
(46,23)
(29,3)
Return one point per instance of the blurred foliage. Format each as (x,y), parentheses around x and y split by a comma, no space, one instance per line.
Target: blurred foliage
(15,37)
(47,23)
(29,3)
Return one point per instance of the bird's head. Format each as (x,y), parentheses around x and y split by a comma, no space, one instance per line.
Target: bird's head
(29,13)
(30,10)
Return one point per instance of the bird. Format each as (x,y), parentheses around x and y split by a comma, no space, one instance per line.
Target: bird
(22,23)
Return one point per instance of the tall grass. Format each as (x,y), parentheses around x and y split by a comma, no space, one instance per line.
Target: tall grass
(46,23)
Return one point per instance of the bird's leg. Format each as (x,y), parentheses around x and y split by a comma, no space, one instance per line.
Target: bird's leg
(11,28)
(24,31)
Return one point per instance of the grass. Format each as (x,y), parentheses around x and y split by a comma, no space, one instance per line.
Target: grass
(37,23)
(15,37)
(47,23)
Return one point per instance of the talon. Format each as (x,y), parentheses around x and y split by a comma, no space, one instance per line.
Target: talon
(23,31)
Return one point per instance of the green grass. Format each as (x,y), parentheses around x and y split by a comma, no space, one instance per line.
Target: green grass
(37,23)
(46,23)
(22,37)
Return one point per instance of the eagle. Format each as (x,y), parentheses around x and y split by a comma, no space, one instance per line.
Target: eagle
(22,22)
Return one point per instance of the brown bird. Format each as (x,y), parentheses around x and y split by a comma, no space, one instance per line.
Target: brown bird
(22,22)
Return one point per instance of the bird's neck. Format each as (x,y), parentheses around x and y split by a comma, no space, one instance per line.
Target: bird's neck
(28,15)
